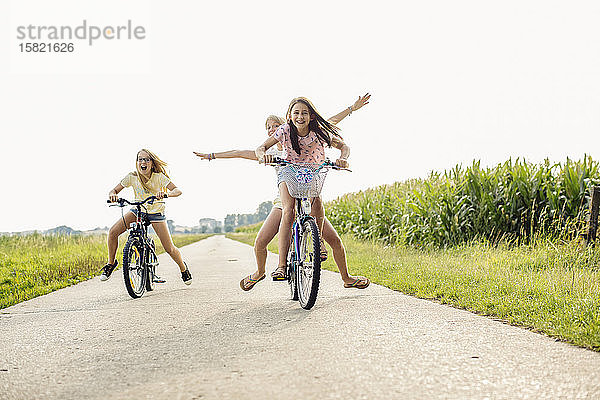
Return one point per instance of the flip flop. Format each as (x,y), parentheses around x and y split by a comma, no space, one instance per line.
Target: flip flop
(360,283)
(279,274)
(248,283)
(323,254)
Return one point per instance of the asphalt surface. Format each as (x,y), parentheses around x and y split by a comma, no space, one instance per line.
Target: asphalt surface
(211,340)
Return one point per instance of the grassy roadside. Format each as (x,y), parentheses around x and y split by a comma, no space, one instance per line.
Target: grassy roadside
(35,265)
(549,288)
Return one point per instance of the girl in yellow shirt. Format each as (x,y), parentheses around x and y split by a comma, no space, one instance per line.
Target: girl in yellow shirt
(149,179)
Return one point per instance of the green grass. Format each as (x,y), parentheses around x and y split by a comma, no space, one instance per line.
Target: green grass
(34,265)
(548,288)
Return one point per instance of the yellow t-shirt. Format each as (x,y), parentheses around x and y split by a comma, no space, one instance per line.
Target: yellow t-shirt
(157,182)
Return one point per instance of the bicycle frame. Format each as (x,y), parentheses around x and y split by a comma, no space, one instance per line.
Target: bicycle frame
(140,247)
(301,215)
(303,205)
(139,228)
(304,182)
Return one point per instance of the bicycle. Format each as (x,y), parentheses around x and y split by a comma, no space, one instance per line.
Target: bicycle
(304,181)
(139,254)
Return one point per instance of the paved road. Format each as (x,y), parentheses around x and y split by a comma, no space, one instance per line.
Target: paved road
(212,341)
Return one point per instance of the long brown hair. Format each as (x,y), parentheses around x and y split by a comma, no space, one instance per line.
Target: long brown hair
(158,166)
(323,128)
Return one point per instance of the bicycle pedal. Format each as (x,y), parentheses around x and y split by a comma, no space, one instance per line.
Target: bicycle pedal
(158,280)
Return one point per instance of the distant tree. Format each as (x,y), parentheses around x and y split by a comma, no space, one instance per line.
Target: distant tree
(263,211)
(203,229)
(171,225)
(234,220)
(229,220)
(217,229)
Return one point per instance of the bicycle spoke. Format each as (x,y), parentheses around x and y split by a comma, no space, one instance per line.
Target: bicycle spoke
(133,269)
(309,268)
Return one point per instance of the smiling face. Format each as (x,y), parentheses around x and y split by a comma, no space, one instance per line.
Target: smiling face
(272,126)
(300,116)
(144,163)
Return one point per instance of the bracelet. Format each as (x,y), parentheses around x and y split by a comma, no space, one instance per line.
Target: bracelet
(350,110)
(211,156)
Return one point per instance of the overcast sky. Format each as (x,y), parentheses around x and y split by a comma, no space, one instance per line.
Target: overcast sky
(452,81)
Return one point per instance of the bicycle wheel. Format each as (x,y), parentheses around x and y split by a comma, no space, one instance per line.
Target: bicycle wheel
(134,272)
(308,270)
(152,263)
(291,271)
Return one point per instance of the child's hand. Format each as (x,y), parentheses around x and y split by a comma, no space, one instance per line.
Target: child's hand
(113,197)
(204,156)
(362,101)
(268,158)
(161,195)
(340,162)
(260,154)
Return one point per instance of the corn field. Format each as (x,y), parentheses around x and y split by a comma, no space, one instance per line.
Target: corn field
(515,201)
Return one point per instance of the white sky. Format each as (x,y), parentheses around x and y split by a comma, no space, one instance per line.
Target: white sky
(452,81)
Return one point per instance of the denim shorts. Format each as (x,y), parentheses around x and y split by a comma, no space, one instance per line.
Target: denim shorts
(151,217)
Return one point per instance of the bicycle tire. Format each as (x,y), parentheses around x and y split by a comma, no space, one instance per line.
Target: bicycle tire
(308,270)
(291,271)
(134,270)
(151,269)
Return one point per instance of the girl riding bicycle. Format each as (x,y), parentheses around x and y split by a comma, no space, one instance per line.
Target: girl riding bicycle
(303,138)
(149,179)
(270,226)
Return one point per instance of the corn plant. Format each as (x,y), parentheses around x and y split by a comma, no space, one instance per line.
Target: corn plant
(513,201)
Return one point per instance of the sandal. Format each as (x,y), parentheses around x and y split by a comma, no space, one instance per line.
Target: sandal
(248,283)
(360,283)
(279,274)
(323,251)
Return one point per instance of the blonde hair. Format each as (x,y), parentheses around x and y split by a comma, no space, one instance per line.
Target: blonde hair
(158,166)
(274,118)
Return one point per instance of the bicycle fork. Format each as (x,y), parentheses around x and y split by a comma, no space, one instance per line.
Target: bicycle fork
(296,234)
(303,208)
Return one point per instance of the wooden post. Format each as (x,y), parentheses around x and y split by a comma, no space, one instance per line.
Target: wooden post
(593,223)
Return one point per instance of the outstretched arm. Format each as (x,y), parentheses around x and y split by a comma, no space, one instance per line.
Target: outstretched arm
(358,104)
(247,154)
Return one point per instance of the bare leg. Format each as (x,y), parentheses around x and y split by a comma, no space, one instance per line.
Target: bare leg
(339,252)
(162,231)
(285,226)
(266,233)
(318,212)
(113,235)
(339,255)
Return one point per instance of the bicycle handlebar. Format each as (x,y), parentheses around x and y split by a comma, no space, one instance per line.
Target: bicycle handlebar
(123,202)
(327,163)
